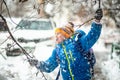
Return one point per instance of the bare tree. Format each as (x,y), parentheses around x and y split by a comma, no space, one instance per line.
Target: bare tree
(62,10)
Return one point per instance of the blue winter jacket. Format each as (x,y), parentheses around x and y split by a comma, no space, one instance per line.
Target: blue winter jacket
(73,65)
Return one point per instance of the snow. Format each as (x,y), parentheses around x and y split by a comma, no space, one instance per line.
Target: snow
(17,68)
(111,69)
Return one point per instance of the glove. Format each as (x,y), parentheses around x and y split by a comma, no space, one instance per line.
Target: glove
(98,14)
(33,62)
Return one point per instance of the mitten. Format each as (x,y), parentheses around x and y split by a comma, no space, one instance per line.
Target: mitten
(33,62)
(98,14)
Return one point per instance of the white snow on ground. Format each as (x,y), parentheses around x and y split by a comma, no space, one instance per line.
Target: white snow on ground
(111,69)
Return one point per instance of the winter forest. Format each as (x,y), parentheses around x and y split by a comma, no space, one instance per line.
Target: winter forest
(29,40)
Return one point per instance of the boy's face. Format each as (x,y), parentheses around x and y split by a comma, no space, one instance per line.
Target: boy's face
(59,38)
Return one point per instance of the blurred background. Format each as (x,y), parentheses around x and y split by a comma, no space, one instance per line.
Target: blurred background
(32,23)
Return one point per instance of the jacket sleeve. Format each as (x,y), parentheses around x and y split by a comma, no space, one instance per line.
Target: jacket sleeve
(89,40)
(50,64)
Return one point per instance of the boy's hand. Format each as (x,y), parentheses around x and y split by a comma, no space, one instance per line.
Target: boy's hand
(33,62)
(98,14)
